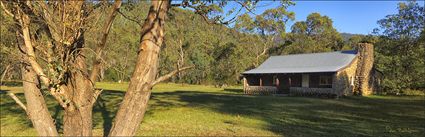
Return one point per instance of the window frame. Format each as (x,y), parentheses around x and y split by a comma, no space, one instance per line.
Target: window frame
(328,80)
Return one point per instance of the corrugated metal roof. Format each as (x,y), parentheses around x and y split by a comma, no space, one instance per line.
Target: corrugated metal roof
(305,63)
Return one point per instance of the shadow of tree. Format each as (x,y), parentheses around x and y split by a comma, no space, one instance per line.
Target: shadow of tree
(106,106)
(9,106)
(235,90)
(300,116)
(288,116)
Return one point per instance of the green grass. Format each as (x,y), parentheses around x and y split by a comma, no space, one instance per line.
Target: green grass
(197,110)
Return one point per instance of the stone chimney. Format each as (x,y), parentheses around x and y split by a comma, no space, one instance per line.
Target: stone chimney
(364,72)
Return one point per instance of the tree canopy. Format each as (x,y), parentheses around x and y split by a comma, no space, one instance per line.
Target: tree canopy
(401,49)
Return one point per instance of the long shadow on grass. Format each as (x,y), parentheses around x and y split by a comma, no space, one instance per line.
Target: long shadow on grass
(300,116)
(106,106)
(289,116)
(9,109)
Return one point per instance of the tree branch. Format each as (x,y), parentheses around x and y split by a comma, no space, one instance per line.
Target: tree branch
(96,94)
(169,75)
(24,20)
(107,27)
(246,7)
(4,74)
(6,10)
(19,102)
(127,17)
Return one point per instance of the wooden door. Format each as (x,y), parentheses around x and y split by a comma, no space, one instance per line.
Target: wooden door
(284,84)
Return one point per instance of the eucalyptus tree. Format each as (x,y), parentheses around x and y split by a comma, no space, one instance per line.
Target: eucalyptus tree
(52,41)
(401,48)
(316,34)
(269,25)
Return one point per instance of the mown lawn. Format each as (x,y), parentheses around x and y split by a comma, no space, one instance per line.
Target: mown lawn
(195,110)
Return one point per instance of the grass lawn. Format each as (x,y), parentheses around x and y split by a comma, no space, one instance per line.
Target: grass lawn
(196,110)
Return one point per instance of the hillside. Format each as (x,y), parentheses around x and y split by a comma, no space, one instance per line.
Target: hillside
(347,36)
(209,47)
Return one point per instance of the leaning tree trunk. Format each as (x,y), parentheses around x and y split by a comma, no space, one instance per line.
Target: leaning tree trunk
(134,105)
(36,106)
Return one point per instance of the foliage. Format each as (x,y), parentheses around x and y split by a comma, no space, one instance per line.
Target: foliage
(316,34)
(400,50)
(8,51)
(220,53)
(201,43)
(411,92)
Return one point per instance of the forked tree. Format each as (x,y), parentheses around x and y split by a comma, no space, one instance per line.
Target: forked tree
(53,56)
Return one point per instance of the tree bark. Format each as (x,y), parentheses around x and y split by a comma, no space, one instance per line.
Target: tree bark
(134,105)
(78,117)
(37,109)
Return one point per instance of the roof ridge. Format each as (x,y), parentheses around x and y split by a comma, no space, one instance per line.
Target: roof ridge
(313,53)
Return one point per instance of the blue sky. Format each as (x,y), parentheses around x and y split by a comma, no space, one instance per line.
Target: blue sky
(358,17)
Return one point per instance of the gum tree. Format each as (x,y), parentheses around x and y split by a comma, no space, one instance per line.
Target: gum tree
(51,41)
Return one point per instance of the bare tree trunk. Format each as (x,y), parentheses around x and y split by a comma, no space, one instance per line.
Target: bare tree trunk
(36,106)
(134,105)
(180,62)
(4,74)
(78,117)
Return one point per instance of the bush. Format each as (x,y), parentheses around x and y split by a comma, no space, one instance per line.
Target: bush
(412,92)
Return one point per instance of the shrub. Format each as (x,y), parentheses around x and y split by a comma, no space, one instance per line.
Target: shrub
(412,92)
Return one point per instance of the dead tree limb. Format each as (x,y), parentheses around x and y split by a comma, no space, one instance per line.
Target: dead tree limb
(97,64)
(96,94)
(4,74)
(129,18)
(169,75)
(17,100)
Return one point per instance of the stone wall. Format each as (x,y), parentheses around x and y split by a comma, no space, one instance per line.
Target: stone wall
(343,80)
(364,82)
(302,91)
(260,90)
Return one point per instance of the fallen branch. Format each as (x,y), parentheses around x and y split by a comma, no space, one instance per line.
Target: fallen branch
(19,102)
(169,75)
(4,74)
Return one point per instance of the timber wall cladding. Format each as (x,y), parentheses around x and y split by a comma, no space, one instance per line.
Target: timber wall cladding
(261,90)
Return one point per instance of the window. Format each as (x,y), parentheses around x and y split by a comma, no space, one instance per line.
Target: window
(325,80)
(305,80)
